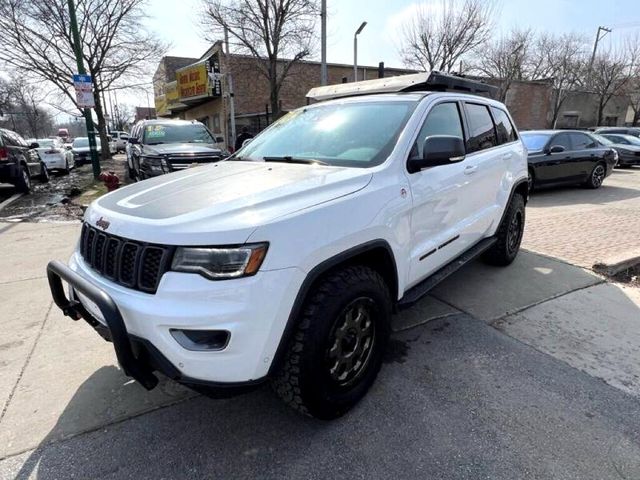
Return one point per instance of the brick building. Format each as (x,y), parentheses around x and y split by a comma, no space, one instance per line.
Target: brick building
(198,88)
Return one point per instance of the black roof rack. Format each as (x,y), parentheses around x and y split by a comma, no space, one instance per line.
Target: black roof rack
(418,82)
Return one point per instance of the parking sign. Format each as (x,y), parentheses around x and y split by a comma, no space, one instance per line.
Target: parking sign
(84,91)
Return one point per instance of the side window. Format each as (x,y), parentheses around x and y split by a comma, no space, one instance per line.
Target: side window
(20,141)
(482,134)
(10,139)
(581,141)
(562,140)
(504,128)
(443,119)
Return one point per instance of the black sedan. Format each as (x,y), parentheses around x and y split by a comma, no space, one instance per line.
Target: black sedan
(567,157)
(627,146)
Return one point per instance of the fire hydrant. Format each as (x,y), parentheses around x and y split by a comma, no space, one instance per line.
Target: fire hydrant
(111,180)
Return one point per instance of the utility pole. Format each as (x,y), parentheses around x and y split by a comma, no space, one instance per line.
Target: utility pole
(77,47)
(595,48)
(232,107)
(323,43)
(355,51)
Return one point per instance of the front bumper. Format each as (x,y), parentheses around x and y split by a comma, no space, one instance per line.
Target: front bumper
(626,159)
(253,309)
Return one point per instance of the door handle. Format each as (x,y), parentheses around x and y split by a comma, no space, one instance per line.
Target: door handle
(470,169)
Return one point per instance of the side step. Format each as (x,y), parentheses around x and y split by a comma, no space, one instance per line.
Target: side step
(417,292)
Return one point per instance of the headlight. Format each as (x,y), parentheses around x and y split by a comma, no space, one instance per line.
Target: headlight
(220,263)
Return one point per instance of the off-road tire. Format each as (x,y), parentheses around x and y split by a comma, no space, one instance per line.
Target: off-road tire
(304,379)
(23,182)
(44,174)
(509,234)
(596,177)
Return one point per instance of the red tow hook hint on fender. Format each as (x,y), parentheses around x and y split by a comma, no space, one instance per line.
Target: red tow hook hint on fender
(111,180)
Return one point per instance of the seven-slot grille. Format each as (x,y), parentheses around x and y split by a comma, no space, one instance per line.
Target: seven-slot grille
(129,263)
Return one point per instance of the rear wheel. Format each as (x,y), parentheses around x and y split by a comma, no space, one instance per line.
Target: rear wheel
(597,176)
(509,235)
(336,351)
(23,182)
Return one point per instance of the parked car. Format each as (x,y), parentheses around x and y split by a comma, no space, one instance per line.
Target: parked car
(19,162)
(285,261)
(627,146)
(54,154)
(635,131)
(121,139)
(567,157)
(113,145)
(164,146)
(81,150)
(63,133)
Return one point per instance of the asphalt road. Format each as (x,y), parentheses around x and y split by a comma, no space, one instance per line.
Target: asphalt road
(456,400)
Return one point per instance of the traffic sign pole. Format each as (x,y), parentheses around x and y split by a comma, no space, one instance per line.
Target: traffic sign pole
(77,46)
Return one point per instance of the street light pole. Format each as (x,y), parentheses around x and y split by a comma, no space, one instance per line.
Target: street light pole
(77,47)
(595,48)
(355,51)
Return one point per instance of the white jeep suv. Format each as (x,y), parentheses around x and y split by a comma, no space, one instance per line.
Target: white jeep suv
(285,261)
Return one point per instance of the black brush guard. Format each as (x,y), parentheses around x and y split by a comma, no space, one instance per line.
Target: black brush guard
(56,272)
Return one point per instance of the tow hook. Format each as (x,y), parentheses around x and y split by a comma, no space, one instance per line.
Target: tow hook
(111,180)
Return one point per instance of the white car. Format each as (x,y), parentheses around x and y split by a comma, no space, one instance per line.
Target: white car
(284,262)
(113,145)
(54,154)
(121,139)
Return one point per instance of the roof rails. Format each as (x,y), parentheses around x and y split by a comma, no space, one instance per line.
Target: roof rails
(433,81)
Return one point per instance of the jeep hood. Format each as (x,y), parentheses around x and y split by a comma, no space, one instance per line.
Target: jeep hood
(221,203)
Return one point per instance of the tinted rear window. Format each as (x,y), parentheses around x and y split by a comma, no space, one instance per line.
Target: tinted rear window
(504,128)
(482,134)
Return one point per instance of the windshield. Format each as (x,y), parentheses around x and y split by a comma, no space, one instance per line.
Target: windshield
(620,138)
(83,142)
(358,134)
(603,140)
(535,141)
(176,133)
(44,142)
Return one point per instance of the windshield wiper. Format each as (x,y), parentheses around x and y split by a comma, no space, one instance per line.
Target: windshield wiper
(154,143)
(290,159)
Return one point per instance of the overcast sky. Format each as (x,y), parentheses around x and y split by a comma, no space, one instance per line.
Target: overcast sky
(176,21)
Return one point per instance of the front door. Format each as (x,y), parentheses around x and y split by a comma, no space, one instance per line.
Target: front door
(439,200)
(555,167)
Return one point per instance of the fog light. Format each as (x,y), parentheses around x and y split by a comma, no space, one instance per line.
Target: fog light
(201,340)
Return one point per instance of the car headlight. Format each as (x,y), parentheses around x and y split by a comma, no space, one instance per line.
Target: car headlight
(220,263)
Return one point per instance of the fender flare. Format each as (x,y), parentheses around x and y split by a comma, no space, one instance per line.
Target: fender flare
(312,277)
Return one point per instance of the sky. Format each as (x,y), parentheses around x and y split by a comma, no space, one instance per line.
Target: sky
(177,23)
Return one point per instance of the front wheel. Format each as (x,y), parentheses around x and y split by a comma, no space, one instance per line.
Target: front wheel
(509,234)
(44,173)
(336,351)
(597,176)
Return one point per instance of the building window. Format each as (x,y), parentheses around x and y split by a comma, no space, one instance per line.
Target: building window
(570,121)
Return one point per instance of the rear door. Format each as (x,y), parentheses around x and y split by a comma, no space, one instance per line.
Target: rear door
(584,156)
(488,159)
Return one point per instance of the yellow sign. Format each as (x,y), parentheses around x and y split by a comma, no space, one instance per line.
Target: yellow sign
(171,93)
(161,105)
(193,81)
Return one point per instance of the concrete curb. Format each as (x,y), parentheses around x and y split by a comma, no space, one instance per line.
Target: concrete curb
(616,264)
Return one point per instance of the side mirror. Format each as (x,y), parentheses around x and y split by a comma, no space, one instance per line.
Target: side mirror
(69,147)
(556,149)
(132,140)
(438,150)
(34,145)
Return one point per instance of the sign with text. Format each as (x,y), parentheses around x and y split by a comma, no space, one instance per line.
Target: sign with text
(193,81)
(83,85)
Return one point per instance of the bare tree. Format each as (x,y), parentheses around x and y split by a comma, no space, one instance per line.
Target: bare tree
(21,106)
(36,41)
(611,75)
(275,33)
(438,38)
(561,59)
(505,59)
(122,116)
